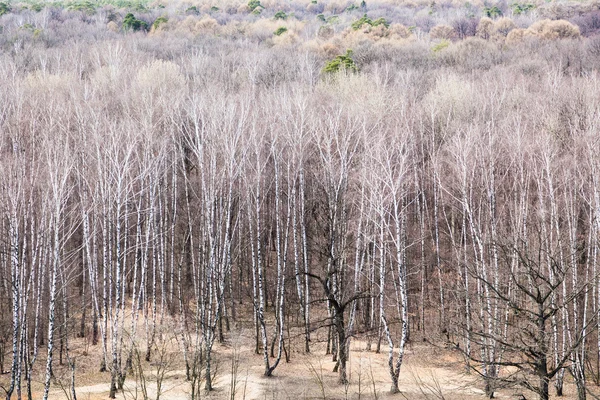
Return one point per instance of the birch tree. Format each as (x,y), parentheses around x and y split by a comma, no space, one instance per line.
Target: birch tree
(59,187)
(390,169)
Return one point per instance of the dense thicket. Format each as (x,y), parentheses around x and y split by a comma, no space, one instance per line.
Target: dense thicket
(435,187)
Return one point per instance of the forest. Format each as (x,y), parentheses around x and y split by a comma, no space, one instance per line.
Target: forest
(191,191)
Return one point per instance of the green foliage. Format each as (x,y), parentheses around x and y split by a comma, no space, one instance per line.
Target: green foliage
(440,46)
(352,7)
(313,2)
(88,6)
(214,9)
(321,18)
(280,15)
(356,25)
(140,7)
(192,10)
(254,5)
(131,23)
(134,5)
(4,8)
(280,31)
(343,62)
(492,12)
(381,21)
(31,28)
(84,6)
(159,21)
(521,8)
(37,7)
(334,19)
(363,5)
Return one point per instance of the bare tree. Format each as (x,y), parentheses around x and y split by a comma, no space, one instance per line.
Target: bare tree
(390,170)
(59,187)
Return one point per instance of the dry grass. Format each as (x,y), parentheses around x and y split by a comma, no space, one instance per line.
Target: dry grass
(429,372)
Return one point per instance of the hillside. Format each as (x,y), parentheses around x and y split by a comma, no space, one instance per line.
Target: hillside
(378,199)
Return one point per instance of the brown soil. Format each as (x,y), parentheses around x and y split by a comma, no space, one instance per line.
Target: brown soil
(428,372)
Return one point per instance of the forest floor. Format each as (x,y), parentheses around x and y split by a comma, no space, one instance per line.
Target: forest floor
(428,372)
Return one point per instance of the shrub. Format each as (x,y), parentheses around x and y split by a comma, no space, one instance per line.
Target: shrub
(159,21)
(504,25)
(289,39)
(485,28)
(31,28)
(516,36)
(84,6)
(192,10)
(356,25)
(564,29)
(37,7)
(325,32)
(280,15)
(321,18)
(112,26)
(341,63)
(521,8)
(381,21)
(280,31)
(4,8)
(131,23)
(442,32)
(330,49)
(492,12)
(254,5)
(206,24)
(559,29)
(400,31)
(440,46)
(476,54)
(372,32)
